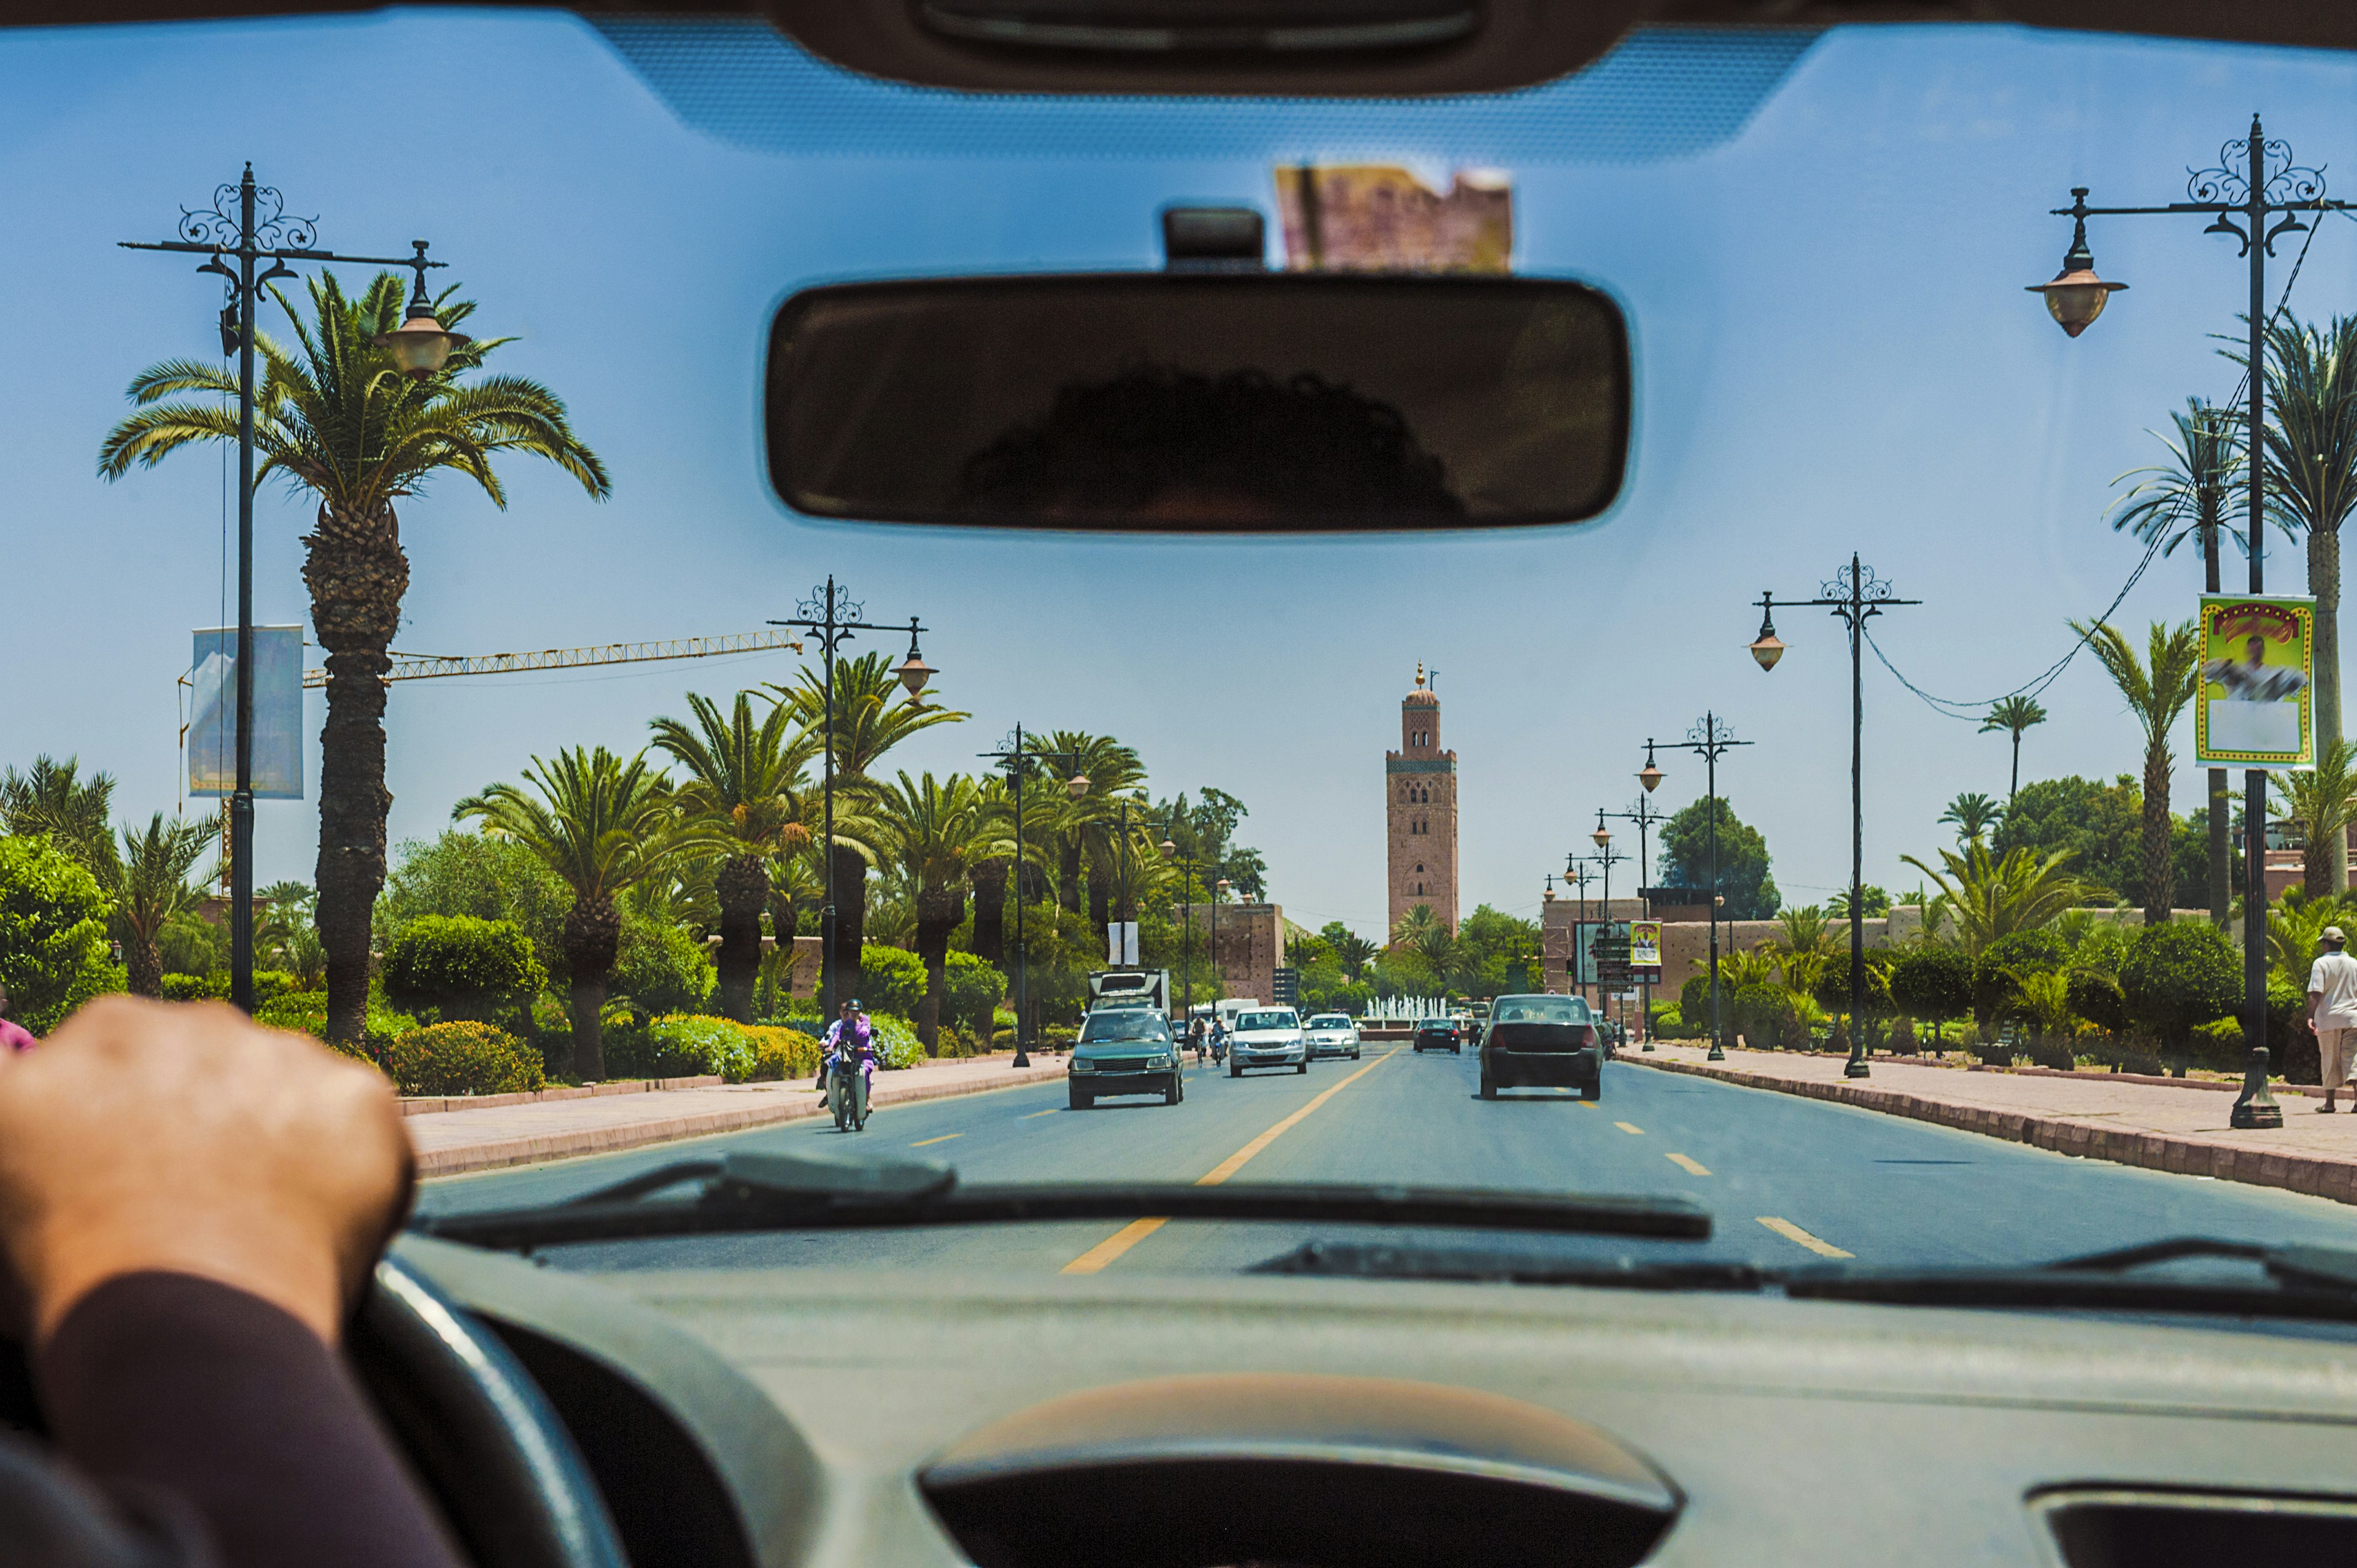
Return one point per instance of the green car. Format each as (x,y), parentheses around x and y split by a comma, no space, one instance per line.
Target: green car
(1125,1050)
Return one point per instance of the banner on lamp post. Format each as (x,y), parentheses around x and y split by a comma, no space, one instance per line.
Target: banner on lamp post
(2255,708)
(277,712)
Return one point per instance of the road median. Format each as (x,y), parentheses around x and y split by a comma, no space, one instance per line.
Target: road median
(458,1138)
(2091,1116)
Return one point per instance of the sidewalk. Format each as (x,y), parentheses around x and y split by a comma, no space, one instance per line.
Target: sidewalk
(2170,1125)
(521,1131)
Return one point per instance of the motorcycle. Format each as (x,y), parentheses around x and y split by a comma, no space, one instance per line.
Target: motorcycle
(846,1092)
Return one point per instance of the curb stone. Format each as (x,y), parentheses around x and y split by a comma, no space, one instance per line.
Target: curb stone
(2318,1177)
(493,1153)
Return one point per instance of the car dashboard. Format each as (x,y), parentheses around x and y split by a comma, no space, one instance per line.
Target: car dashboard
(803,1416)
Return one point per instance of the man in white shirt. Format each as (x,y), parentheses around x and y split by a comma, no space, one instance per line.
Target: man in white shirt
(2333,1010)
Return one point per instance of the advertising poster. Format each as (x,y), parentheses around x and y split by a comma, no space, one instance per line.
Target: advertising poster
(1645,949)
(277,714)
(2258,674)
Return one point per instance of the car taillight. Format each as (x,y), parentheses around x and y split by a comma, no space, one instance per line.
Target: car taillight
(1587,1035)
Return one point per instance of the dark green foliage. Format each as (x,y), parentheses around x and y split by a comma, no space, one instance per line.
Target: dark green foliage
(53,941)
(1933,984)
(1832,990)
(894,979)
(1764,1017)
(660,969)
(2097,997)
(1743,871)
(2177,975)
(2039,952)
(465,872)
(458,966)
(191,944)
(306,1011)
(975,991)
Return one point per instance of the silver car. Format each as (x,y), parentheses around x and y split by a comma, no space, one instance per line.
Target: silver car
(1267,1036)
(1332,1035)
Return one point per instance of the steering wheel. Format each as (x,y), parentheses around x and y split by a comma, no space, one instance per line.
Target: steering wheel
(479,1430)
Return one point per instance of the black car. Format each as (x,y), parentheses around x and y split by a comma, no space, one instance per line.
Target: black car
(1437,1035)
(1552,1042)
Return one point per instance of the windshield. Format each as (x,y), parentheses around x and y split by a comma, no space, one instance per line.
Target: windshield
(604,765)
(1124,1024)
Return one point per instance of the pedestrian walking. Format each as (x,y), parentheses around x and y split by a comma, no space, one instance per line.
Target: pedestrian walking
(2332,1011)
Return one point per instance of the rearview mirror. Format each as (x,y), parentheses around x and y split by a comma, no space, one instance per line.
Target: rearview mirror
(1201,402)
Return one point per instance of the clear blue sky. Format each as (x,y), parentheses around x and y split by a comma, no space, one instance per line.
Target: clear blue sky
(1835,353)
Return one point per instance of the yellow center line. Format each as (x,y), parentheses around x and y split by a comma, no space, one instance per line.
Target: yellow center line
(1688,1164)
(1050,1112)
(1791,1232)
(1137,1231)
(942,1139)
(1630,1128)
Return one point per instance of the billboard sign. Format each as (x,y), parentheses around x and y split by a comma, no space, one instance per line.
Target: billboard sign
(277,712)
(1645,951)
(2255,705)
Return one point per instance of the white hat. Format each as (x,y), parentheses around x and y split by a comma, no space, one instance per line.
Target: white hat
(2332,934)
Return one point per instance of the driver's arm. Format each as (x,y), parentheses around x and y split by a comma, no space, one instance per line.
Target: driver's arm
(190,1205)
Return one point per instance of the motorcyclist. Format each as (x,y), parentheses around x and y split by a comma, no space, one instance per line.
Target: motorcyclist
(1194,1037)
(854,1034)
(1219,1040)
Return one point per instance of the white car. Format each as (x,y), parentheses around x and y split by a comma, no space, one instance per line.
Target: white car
(1332,1035)
(1268,1037)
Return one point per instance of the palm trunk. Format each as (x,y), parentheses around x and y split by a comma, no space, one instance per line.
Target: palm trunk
(743,886)
(1100,894)
(990,911)
(2324,582)
(2220,851)
(593,940)
(850,920)
(144,964)
(2159,863)
(938,914)
(1068,872)
(357,574)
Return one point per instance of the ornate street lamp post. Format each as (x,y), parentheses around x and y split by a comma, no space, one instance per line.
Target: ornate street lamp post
(830,615)
(247,224)
(1015,756)
(1574,875)
(1856,595)
(1606,856)
(1641,811)
(2253,193)
(1188,866)
(1710,739)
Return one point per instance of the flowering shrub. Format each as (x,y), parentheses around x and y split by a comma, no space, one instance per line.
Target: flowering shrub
(780,1052)
(461,1057)
(896,1041)
(688,1046)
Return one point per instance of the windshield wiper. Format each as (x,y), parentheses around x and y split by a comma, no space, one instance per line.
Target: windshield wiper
(2300,1282)
(755,1192)
(1379,1260)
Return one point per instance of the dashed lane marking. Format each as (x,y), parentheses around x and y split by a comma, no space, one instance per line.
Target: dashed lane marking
(1630,1128)
(1050,1112)
(1794,1233)
(942,1139)
(1137,1231)
(1687,1163)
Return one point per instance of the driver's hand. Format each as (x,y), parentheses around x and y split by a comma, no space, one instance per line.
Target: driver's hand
(183,1138)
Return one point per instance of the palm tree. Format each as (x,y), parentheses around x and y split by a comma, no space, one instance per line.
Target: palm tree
(1424,933)
(1803,950)
(1972,816)
(52,797)
(1086,824)
(937,831)
(337,417)
(867,723)
(745,783)
(2191,496)
(284,934)
(2157,691)
(1355,953)
(2013,715)
(2322,803)
(602,824)
(2311,454)
(149,884)
(1991,898)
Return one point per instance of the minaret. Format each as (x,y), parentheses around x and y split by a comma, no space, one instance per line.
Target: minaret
(1420,812)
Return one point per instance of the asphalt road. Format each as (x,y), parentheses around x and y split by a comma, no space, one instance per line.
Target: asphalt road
(1787,1179)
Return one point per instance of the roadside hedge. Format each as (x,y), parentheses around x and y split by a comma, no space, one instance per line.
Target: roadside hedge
(781,1053)
(462,1056)
(893,979)
(1933,984)
(456,966)
(2179,975)
(305,1013)
(53,943)
(975,989)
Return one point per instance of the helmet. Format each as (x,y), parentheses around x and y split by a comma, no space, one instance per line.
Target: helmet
(853,1003)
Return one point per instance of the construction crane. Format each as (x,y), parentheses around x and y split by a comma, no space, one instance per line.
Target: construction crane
(429,666)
